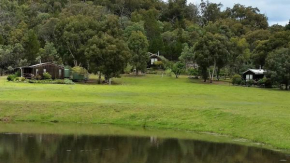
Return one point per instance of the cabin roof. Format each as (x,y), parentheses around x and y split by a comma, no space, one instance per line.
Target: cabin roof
(256,71)
(151,55)
(42,64)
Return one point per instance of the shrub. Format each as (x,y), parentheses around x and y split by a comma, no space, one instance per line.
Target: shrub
(250,82)
(178,68)
(243,82)
(11,77)
(21,79)
(58,81)
(158,64)
(268,83)
(79,70)
(46,75)
(67,81)
(38,77)
(237,79)
(168,72)
(128,69)
(192,72)
(151,72)
(265,82)
(17,74)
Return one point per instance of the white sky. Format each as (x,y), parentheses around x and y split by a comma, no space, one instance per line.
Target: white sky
(277,11)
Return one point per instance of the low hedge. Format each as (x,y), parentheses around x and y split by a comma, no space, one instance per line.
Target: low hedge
(49,81)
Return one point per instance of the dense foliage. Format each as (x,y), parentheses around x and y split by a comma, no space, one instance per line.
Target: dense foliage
(104,36)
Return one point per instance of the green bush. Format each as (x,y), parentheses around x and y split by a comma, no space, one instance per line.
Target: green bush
(21,79)
(251,82)
(128,69)
(261,82)
(158,64)
(168,72)
(46,75)
(237,79)
(11,77)
(67,81)
(151,72)
(17,74)
(58,81)
(192,72)
(79,70)
(243,82)
(265,82)
(48,81)
(268,83)
(38,77)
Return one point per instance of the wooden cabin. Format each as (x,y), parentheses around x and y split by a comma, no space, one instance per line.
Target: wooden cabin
(56,71)
(153,58)
(254,74)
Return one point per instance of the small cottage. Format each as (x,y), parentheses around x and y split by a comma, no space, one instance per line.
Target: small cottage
(254,74)
(56,71)
(153,58)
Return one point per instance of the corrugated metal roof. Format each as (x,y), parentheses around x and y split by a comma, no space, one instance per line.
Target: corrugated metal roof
(256,71)
(40,64)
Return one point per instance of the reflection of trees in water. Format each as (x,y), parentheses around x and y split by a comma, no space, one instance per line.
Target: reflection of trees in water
(113,149)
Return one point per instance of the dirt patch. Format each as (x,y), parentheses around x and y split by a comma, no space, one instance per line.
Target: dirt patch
(6,119)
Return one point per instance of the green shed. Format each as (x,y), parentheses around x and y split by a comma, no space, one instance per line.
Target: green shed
(67,71)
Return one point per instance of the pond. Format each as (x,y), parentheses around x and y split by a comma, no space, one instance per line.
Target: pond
(67,144)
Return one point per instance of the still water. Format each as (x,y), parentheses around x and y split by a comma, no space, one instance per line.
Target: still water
(116,148)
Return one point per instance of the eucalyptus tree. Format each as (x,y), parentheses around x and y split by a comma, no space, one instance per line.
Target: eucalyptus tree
(107,54)
(211,50)
(138,44)
(278,66)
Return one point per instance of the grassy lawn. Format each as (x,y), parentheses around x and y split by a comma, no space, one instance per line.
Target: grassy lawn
(261,115)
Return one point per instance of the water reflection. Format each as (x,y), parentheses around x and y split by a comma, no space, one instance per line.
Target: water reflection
(39,148)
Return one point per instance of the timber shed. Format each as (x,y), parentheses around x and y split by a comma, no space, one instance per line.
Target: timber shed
(153,58)
(254,74)
(56,71)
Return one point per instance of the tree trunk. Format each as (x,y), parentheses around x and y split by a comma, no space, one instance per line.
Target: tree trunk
(218,74)
(213,71)
(100,78)
(136,72)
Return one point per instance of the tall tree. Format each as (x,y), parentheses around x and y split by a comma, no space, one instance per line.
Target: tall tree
(209,51)
(48,54)
(209,12)
(138,44)
(108,55)
(278,66)
(187,55)
(31,46)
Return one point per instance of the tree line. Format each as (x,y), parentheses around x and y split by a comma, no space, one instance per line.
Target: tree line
(107,35)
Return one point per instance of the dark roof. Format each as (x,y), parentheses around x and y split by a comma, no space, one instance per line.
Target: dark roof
(151,55)
(256,71)
(42,64)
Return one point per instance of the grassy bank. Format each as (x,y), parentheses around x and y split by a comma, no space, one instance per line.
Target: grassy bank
(257,114)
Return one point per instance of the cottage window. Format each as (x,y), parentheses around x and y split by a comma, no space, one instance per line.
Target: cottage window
(36,71)
(59,72)
(249,77)
(153,60)
(44,70)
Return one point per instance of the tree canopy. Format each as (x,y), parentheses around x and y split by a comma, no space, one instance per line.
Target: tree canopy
(72,32)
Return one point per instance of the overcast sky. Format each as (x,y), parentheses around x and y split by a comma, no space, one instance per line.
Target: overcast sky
(277,11)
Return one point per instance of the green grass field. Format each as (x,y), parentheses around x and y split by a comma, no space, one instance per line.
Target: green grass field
(261,115)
